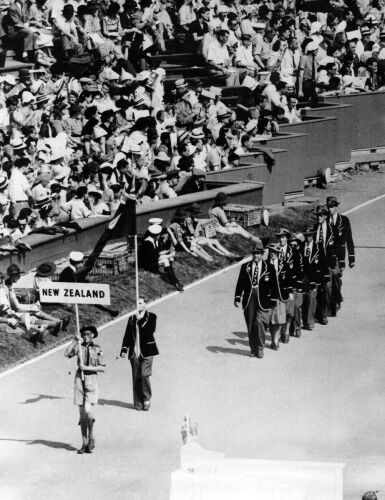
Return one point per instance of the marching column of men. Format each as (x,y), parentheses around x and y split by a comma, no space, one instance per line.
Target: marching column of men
(297,281)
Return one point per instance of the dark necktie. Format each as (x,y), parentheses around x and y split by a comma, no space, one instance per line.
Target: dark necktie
(321,235)
(255,276)
(308,252)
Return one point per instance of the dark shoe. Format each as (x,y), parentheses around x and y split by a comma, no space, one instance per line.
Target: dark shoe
(285,339)
(275,347)
(82,450)
(90,446)
(260,353)
(179,287)
(297,333)
(114,313)
(146,406)
(252,355)
(308,327)
(323,321)
(138,407)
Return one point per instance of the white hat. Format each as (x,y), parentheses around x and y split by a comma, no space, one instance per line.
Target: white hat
(251,125)
(10,79)
(208,94)
(17,143)
(155,229)
(311,46)
(197,133)
(326,60)
(160,72)
(315,27)
(143,75)
(125,76)
(341,27)
(354,35)
(27,97)
(110,74)
(135,149)
(347,80)
(155,220)
(258,26)
(59,171)
(223,9)
(76,256)
(99,132)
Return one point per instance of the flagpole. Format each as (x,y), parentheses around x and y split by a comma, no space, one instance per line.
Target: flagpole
(136,272)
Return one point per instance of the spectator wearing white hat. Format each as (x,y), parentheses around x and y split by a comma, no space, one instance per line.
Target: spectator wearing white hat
(77,270)
(150,258)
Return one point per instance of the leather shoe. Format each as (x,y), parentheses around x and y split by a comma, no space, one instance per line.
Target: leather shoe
(138,407)
(285,339)
(90,446)
(275,347)
(260,353)
(323,321)
(146,406)
(297,333)
(252,355)
(82,450)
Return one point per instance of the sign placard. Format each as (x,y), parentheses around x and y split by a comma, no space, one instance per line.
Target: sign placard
(75,293)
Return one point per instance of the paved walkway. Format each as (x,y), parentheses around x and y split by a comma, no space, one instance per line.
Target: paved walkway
(319,398)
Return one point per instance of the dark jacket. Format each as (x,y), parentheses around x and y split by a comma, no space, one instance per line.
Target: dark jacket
(283,281)
(327,251)
(146,326)
(14,18)
(68,275)
(266,289)
(149,256)
(312,266)
(343,239)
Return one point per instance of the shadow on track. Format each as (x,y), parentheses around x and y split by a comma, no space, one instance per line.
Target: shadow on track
(43,442)
(118,404)
(39,397)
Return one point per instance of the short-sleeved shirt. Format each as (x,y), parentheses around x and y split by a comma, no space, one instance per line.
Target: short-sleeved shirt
(217,214)
(306,64)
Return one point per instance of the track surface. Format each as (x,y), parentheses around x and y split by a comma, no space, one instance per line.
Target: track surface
(321,397)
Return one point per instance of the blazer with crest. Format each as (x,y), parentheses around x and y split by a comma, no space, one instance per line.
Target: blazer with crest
(343,239)
(312,265)
(266,288)
(327,251)
(283,281)
(146,327)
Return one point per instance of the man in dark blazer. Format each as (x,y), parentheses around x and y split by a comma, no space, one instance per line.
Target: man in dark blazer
(324,237)
(17,28)
(139,347)
(255,291)
(312,278)
(343,244)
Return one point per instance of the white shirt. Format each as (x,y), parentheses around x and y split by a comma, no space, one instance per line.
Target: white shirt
(244,55)
(218,54)
(324,231)
(18,186)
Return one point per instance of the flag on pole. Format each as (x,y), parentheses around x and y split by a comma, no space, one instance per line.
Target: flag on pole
(124,221)
(122,224)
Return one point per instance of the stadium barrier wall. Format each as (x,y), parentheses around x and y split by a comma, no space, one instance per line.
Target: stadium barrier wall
(54,248)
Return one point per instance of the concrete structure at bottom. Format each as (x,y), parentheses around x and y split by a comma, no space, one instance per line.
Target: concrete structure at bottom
(207,475)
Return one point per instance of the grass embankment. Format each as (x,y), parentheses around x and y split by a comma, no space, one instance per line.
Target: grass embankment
(14,350)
